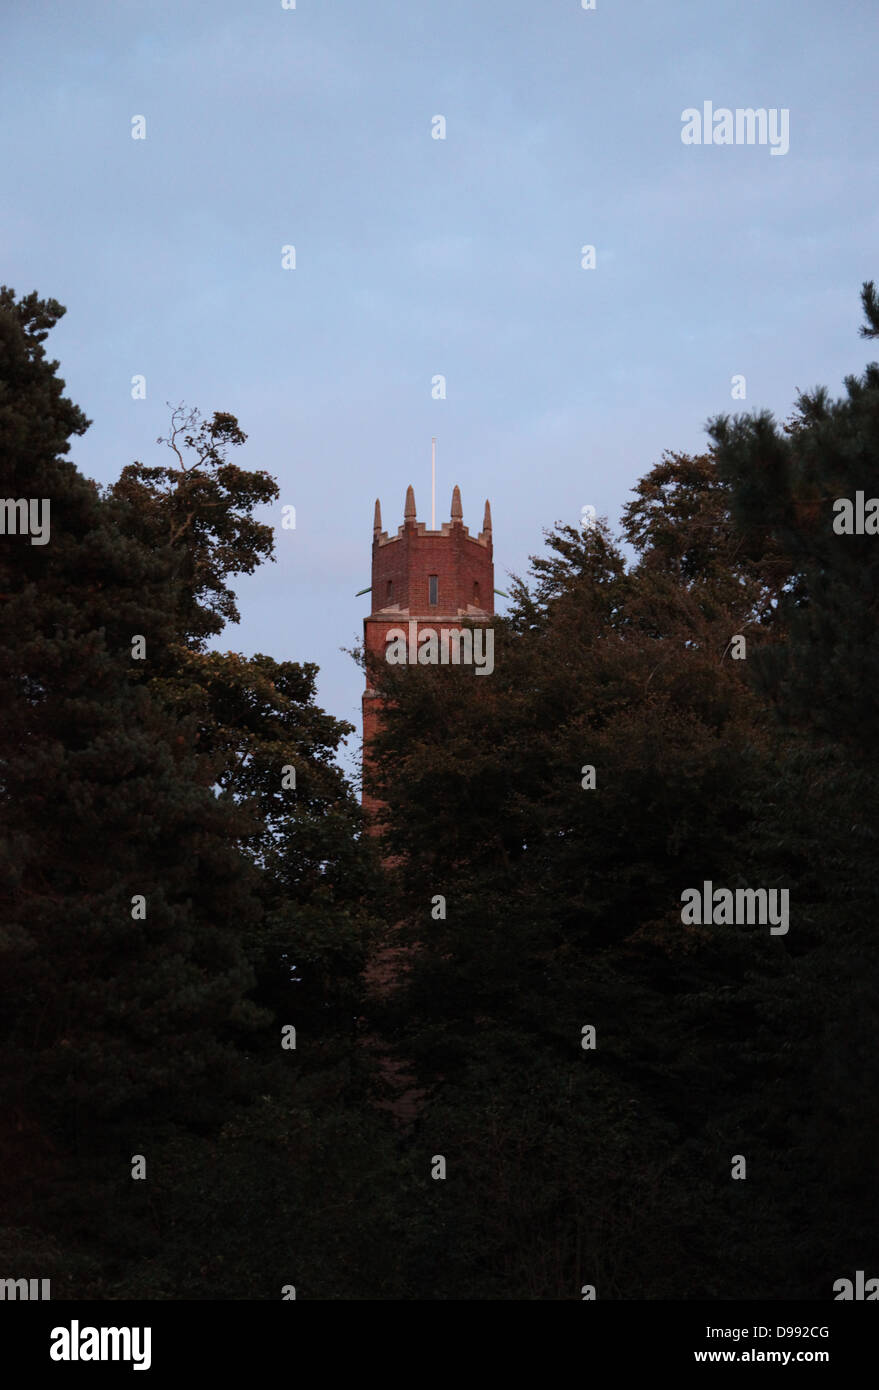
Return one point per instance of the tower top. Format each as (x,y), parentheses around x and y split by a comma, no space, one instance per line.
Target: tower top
(421,568)
(423,577)
(411,522)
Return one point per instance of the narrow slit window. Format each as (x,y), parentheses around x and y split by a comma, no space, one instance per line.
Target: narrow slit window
(433,590)
(476,592)
(390,593)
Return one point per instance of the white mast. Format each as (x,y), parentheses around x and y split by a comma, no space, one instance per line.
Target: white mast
(433,484)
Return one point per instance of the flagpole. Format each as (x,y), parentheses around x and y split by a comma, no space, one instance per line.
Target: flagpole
(433,484)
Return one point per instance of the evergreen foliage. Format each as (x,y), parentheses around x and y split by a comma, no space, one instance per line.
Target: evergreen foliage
(206,782)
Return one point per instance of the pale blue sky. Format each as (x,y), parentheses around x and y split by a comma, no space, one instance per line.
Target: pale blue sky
(417,256)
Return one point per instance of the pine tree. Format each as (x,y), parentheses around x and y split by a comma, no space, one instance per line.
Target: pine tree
(787,482)
(165,904)
(124,889)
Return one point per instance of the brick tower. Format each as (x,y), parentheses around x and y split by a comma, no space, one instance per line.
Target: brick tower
(423,579)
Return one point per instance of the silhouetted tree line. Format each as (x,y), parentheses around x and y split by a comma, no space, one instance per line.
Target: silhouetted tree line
(185,875)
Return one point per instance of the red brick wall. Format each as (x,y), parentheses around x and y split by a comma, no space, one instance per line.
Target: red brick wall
(457,559)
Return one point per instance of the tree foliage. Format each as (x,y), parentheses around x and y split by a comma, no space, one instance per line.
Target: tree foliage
(620,753)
